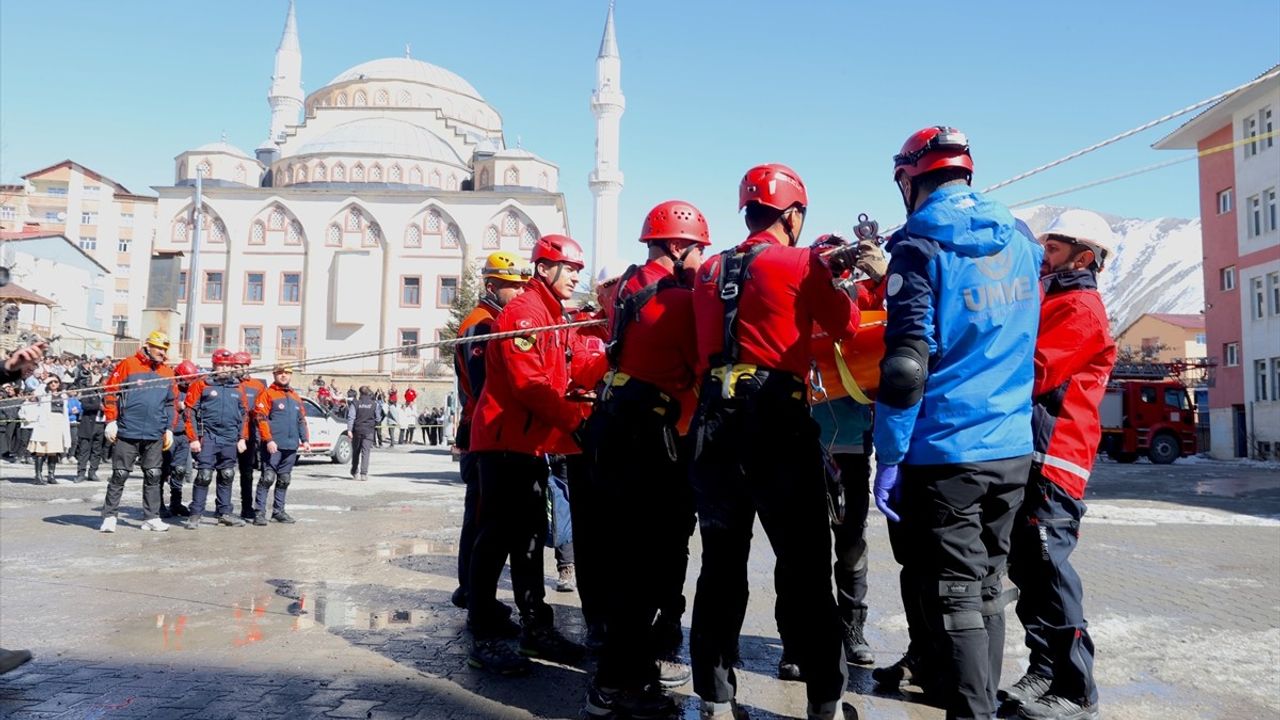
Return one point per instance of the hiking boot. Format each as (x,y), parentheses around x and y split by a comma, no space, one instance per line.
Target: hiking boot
(497,657)
(459,598)
(260,519)
(283,517)
(499,624)
(108,524)
(177,509)
(594,641)
(900,673)
(672,673)
(567,581)
(230,521)
(548,644)
(1027,690)
(10,659)
(192,523)
(155,524)
(165,512)
(789,670)
(248,514)
(1056,707)
(856,649)
(721,711)
(646,704)
(80,477)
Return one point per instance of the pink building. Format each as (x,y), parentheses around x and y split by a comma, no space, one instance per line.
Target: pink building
(1240,220)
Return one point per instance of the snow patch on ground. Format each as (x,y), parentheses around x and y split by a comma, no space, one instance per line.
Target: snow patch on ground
(1105,514)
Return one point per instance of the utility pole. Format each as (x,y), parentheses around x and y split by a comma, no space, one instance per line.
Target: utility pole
(193,268)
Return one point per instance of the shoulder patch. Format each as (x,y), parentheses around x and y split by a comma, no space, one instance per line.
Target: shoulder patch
(523,323)
(895,284)
(524,344)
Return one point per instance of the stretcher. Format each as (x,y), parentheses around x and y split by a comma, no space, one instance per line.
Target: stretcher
(852,368)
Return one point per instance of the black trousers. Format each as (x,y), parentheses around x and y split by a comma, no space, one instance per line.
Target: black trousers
(89,447)
(511,521)
(470,469)
(643,518)
(361,446)
(175,465)
(1051,599)
(759,454)
(24,439)
(124,453)
(589,523)
(963,514)
(248,461)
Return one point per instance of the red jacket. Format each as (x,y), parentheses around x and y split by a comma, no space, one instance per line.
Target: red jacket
(1074,357)
(660,346)
(522,407)
(142,412)
(787,290)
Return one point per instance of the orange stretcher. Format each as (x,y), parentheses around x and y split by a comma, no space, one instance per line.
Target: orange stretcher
(850,369)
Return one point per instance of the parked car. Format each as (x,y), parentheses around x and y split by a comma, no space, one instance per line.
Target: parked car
(328,434)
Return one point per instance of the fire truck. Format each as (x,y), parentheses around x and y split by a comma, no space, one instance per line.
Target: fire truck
(1148,411)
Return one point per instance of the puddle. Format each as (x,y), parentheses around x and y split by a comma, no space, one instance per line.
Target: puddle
(409,548)
(1233,487)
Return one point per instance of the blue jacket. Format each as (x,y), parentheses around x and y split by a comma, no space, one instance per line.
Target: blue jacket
(217,407)
(964,279)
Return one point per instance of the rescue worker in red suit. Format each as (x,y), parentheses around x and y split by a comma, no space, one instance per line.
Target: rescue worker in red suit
(756,444)
(640,464)
(522,416)
(1074,357)
(248,460)
(504,277)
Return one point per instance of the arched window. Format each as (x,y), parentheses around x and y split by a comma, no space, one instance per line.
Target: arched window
(333,236)
(510,224)
(393,175)
(276,219)
(435,179)
(452,184)
(372,237)
(342,99)
(300,174)
(353,220)
(218,233)
(491,238)
(413,236)
(357,173)
(181,231)
(415,176)
(544,182)
(360,99)
(403,99)
(452,236)
(203,168)
(241,174)
(375,173)
(433,222)
(294,236)
(321,172)
(339,173)
(528,238)
(381,98)
(484,178)
(258,233)
(511,177)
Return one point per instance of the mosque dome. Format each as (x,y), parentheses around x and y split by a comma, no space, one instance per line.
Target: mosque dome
(408,70)
(222,147)
(382,137)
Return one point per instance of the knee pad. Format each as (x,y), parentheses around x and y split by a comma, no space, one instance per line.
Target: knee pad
(204,478)
(995,598)
(282,481)
(268,478)
(961,605)
(152,476)
(226,476)
(118,476)
(178,475)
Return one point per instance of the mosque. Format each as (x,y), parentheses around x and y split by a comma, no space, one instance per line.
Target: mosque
(349,228)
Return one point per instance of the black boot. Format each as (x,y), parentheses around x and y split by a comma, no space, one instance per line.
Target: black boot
(856,649)
(39,462)
(51,467)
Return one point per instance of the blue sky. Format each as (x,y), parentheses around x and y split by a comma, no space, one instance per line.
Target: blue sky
(712,86)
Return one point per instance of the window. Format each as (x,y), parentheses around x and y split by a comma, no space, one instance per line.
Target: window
(408,339)
(1275,377)
(357,173)
(353,220)
(255,287)
(511,177)
(51,216)
(1270,198)
(321,172)
(258,233)
(241,173)
(544,182)
(360,99)
(294,235)
(452,183)
(290,288)
(372,237)
(393,175)
(1148,395)
(410,291)
(123,270)
(182,286)
(484,178)
(1199,338)
(1253,221)
(1228,277)
(275,220)
(510,224)
(403,98)
(1260,380)
(218,232)
(88,242)
(8,212)
(92,189)
(1273,291)
(120,325)
(413,237)
(333,236)
(1264,118)
(433,222)
(122,297)
(1259,299)
(1175,398)
(491,238)
(528,238)
(251,340)
(213,286)
(288,346)
(339,173)
(448,292)
(1250,132)
(210,338)
(381,98)
(203,168)
(122,245)
(452,236)
(88,218)
(56,190)
(375,173)
(1224,202)
(1231,353)
(126,220)
(415,176)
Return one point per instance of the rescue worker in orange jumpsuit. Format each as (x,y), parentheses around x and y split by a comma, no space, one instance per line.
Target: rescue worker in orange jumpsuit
(504,277)
(140,425)
(522,416)
(756,444)
(282,427)
(1074,358)
(640,464)
(216,427)
(249,459)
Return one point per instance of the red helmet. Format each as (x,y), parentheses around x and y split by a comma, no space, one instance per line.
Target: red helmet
(675,220)
(222,357)
(933,148)
(242,358)
(772,184)
(186,369)
(558,249)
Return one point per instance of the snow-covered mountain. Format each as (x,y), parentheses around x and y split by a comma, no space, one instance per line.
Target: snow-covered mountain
(1157,267)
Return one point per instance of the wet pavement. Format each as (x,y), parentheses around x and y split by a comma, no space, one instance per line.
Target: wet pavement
(347,613)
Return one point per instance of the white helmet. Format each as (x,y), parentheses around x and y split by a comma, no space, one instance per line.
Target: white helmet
(1084,228)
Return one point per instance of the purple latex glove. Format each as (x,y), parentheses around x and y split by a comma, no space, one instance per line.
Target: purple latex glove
(886,490)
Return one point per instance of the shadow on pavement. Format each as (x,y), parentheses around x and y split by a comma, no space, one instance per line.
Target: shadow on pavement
(90,521)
